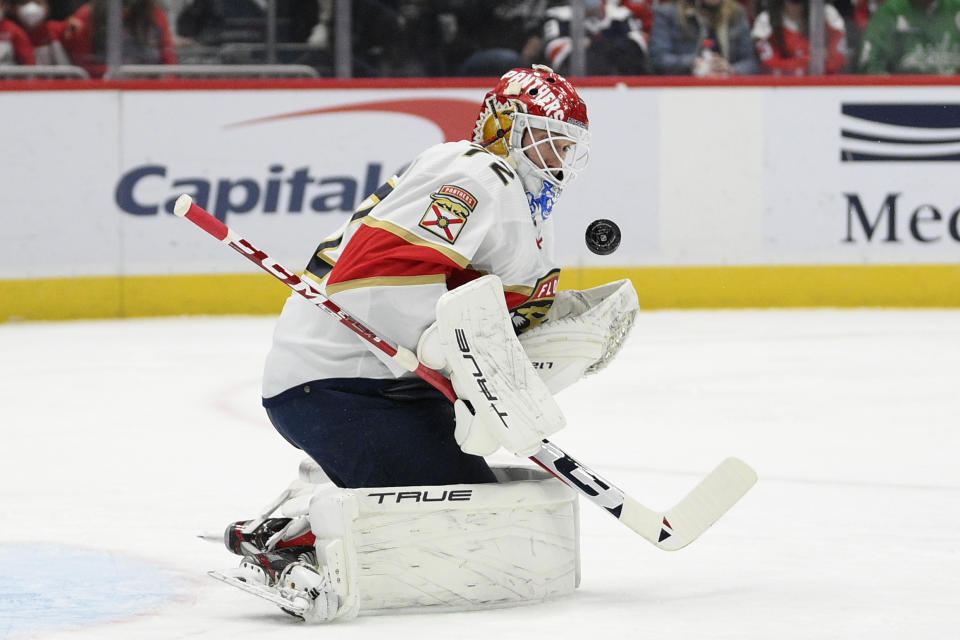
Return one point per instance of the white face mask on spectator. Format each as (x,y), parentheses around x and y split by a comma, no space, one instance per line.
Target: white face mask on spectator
(31,14)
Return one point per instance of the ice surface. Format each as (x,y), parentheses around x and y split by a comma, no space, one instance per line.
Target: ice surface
(125,439)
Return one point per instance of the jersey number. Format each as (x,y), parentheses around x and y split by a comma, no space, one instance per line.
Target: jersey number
(501,170)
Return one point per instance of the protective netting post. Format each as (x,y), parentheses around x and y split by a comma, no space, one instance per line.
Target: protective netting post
(818,38)
(343,51)
(114,52)
(578,53)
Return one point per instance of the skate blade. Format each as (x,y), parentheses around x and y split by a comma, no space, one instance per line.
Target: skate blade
(261,591)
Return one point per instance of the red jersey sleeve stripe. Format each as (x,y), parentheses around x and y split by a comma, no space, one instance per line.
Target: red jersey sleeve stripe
(376,253)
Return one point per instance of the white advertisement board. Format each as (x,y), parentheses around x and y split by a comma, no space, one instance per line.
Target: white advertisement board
(693,175)
(60,160)
(861,176)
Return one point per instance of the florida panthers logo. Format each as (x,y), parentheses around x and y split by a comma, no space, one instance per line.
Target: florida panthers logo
(447,214)
(533,310)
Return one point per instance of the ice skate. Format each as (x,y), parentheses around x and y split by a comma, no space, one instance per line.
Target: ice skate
(246,537)
(290,579)
(242,539)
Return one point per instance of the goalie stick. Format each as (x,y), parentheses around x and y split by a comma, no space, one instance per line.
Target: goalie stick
(669,530)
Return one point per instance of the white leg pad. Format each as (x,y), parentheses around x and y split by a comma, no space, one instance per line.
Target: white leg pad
(333,512)
(453,547)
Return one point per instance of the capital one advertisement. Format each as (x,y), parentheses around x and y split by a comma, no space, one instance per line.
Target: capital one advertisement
(284,168)
(288,168)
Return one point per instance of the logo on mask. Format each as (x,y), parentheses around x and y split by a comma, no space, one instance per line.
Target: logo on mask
(542,205)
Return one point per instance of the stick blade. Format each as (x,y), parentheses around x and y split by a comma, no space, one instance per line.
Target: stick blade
(704,505)
(698,510)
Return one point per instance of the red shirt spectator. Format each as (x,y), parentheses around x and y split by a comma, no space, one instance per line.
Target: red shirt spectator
(45,35)
(15,47)
(146,36)
(615,41)
(47,42)
(863,9)
(642,11)
(780,36)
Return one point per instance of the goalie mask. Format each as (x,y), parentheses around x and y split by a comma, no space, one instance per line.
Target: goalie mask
(534,118)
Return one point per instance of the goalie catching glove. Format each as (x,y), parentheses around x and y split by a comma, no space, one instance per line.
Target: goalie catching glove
(582,332)
(502,401)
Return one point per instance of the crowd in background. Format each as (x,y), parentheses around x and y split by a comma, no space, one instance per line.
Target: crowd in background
(434,38)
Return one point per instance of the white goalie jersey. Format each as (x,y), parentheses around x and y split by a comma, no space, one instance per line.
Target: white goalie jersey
(457,212)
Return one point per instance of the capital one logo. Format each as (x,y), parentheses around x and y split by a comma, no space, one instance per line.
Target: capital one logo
(274,187)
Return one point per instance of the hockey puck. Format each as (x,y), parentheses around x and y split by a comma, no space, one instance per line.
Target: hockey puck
(602,236)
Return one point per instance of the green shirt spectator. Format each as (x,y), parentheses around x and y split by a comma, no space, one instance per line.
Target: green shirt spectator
(913,36)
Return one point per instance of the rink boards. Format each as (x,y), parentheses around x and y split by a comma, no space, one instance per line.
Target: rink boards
(728,196)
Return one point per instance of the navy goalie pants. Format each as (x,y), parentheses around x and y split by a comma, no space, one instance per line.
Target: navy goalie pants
(376,433)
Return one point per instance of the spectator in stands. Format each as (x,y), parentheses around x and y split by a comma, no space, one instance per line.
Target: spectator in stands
(504,35)
(863,9)
(642,10)
(913,36)
(215,22)
(63,9)
(615,43)
(460,38)
(781,36)
(15,47)
(202,22)
(379,39)
(855,14)
(45,35)
(708,38)
(146,37)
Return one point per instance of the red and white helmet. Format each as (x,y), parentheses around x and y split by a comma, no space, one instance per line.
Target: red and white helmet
(532,115)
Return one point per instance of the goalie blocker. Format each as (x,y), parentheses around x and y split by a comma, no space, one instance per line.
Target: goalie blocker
(442,548)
